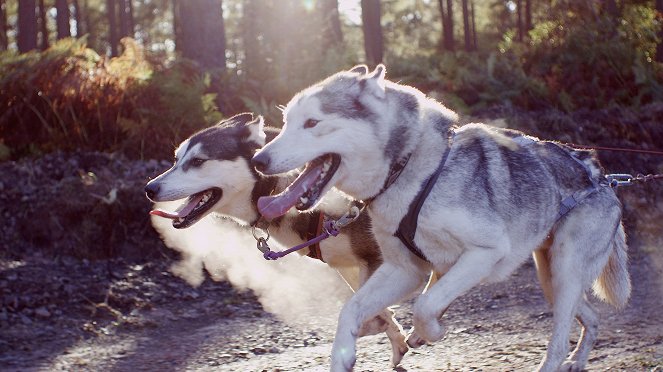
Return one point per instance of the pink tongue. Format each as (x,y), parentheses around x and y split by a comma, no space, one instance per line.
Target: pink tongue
(182,211)
(277,205)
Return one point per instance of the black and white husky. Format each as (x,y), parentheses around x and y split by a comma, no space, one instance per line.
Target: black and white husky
(475,202)
(212,171)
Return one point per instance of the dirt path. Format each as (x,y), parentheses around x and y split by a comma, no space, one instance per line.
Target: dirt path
(496,327)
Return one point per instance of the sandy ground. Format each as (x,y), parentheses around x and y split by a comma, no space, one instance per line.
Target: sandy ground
(495,327)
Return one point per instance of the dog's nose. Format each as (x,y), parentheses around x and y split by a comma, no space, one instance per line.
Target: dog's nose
(151,190)
(260,161)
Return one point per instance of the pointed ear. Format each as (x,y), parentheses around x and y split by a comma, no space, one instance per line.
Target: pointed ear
(360,69)
(375,81)
(257,131)
(242,118)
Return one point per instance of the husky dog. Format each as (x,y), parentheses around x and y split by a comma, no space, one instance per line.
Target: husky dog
(485,199)
(212,171)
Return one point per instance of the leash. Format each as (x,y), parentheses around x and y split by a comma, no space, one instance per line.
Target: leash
(330,227)
(617,149)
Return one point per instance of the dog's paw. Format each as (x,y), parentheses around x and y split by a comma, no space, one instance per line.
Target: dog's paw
(413,339)
(397,354)
(342,364)
(572,366)
(343,356)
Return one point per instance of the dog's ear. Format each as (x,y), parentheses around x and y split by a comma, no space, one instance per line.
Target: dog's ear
(257,131)
(375,81)
(240,119)
(360,69)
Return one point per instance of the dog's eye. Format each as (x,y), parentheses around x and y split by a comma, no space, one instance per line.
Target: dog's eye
(310,123)
(197,162)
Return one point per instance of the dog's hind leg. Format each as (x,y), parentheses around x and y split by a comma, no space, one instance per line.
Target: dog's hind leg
(388,285)
(542,263)
(585,314)
(589,322)
(581,246)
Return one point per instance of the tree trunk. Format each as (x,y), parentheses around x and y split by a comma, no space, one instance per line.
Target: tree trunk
(176,23)
(203,33)
(112,26)
(474,27)
(78,19)
(466,27)
(659,47)
(27,26)
(449,43)
(126,18)
(43,25)
(123,22)
(373,41)
(62,19)
(131,25)
(443,23)
(528,16)
(252,60)
(519,11)
(4,41)
(332,35)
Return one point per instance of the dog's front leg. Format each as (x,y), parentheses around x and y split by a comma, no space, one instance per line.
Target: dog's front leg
(472,267)
(388,285)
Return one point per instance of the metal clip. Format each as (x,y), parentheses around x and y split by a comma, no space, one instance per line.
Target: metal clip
(619,179)
(347,218)
(262,245)
(254,231)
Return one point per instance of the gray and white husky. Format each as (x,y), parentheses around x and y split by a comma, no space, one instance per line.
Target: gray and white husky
(212,171)
(500,196)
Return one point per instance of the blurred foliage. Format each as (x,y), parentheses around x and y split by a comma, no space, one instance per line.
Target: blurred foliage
(68,97)
(577,56)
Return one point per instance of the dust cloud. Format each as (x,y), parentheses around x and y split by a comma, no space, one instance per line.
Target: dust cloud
(293,288)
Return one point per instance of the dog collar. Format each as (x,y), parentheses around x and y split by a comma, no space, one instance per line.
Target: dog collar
(394,172)
(315,229)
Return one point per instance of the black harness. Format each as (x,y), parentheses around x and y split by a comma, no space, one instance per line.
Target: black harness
(407,229)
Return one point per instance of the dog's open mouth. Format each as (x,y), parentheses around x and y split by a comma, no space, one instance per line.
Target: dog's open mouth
(305,191)
(194,208)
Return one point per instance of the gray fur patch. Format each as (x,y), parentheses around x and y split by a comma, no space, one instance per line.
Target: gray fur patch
(341,96)
(224,141)
(397,137)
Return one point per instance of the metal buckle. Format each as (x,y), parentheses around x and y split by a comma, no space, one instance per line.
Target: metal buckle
(619,179)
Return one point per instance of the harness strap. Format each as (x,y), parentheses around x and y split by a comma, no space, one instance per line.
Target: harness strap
(407,229)
(571,201)
(315,229)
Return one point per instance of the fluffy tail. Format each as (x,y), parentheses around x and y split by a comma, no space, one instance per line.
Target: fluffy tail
(614,283)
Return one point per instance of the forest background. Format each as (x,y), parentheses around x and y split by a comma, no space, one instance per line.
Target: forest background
(138,76)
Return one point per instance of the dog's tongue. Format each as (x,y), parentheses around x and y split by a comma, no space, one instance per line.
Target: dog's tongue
(182,211)
(277,205)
